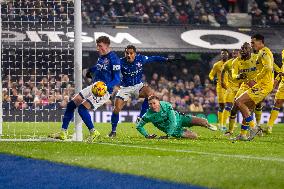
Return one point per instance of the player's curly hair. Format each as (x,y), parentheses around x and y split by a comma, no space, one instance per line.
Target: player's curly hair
(103,39)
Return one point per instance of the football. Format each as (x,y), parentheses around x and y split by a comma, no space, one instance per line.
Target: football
(99,89)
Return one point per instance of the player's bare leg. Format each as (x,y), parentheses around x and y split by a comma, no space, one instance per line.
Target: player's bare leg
(196,121)
(244,103)
(189,134)
(144,92)
(78,99)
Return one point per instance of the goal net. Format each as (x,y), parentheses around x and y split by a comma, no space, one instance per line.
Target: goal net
(37,66)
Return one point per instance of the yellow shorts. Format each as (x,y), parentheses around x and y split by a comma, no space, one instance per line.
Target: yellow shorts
(259,91)
(243,88)
(280,92)
(221,94)
(230,94)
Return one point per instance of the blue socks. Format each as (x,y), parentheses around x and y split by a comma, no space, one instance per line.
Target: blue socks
(114,121)
(69,114)
(144,107)
(84,113)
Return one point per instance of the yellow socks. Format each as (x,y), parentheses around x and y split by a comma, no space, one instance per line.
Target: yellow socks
(258,112)
(244,129)
(273,116)
(226,114)
(232,122)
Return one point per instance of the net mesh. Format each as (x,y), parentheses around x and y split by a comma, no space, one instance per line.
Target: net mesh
(37,65)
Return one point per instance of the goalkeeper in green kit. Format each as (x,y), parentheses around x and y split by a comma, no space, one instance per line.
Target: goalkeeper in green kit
(171,122)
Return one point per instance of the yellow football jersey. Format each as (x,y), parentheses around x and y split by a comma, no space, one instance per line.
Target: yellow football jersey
(216,70)
(248,67)
(278,78)
(265,62)
(276,68)
(282,68)
(282,58)
(280,91)
(230,82)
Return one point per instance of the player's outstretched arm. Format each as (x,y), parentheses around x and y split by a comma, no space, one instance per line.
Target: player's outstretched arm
(140,127)
(152,59)
(212,73)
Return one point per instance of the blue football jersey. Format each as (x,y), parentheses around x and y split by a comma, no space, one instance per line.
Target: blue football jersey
(132,72)
(107,70)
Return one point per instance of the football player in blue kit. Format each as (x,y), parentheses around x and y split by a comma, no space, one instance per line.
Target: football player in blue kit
(106,70)
(131,83)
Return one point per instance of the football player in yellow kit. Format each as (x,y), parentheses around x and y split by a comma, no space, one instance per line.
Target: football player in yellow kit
(243,70)
(231,87)
(279,98)
(260,87)
(216,72)
(258,107)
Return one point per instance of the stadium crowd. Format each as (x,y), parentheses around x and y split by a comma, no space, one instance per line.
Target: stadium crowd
(95,12)
(50,93)
(269,12)
(187,90)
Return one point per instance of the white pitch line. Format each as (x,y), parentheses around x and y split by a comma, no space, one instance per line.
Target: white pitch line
(197,152)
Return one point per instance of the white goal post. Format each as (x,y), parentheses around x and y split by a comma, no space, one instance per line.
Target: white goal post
(30,62)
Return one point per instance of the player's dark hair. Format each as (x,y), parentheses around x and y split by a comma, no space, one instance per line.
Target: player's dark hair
(131,47)
(258,37)
(152,97)
(225,50)
(103,39)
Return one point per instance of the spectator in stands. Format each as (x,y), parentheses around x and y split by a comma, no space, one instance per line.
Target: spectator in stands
(196,106)
(20,104)
(231,5)
(256,13)
(220,14)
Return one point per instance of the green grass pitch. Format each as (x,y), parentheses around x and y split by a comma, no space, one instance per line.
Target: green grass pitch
(211,161)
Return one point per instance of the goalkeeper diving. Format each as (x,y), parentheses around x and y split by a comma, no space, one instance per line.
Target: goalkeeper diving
(171,122)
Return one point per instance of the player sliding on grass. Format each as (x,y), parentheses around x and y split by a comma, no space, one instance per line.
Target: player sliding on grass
(107,70)
(171,122)
(132,84)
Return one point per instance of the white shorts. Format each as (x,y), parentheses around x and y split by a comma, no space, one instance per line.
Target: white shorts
(96,102)
(126,92)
